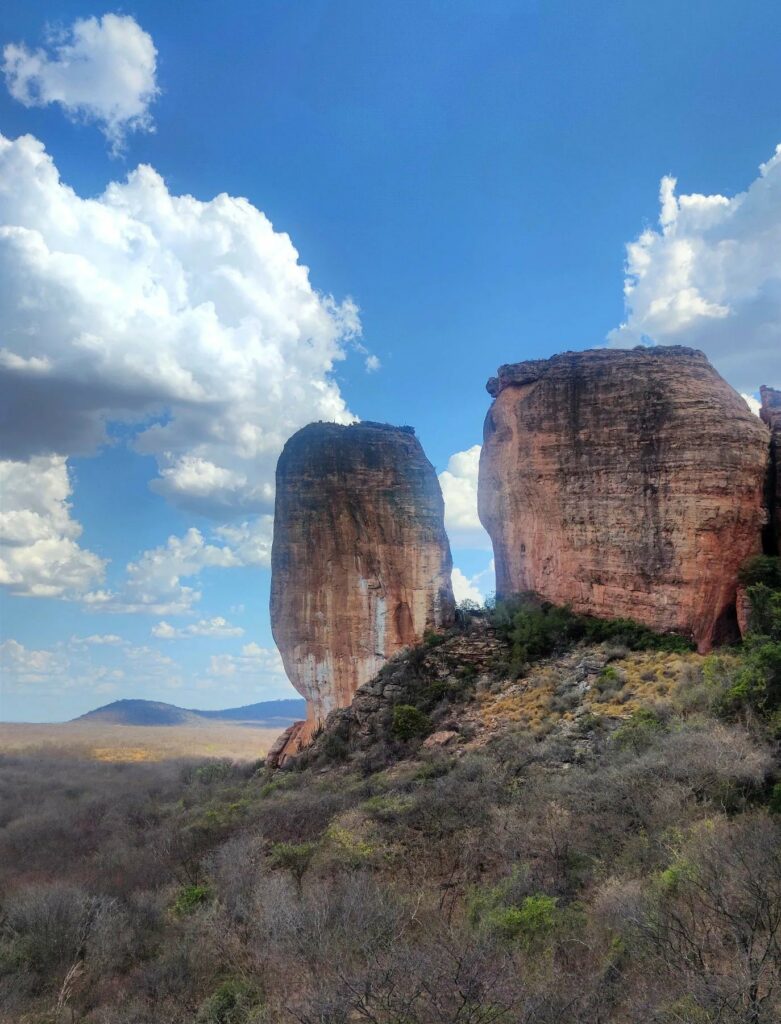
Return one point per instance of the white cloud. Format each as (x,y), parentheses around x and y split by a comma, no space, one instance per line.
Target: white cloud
(192,319)
(100,70)
(474,588)
(463,589)
(752,402)
(249,541)
(217,627)
(459,489)
(372,364)
(253,661)
(710,277)
(39,551)
(20,666)
(98,640)
(153,583)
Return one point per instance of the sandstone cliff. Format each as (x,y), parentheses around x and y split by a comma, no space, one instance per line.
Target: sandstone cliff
(625,484)
(771,414)
(360,560)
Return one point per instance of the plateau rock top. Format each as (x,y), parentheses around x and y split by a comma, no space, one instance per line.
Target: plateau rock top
(625,483)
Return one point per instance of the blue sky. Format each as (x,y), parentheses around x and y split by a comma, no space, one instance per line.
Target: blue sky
(463,179)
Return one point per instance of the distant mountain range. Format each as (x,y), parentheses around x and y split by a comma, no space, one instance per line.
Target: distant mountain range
(269,713)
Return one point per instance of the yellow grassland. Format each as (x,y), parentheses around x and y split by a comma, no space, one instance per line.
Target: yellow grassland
(638,679)
(135,743)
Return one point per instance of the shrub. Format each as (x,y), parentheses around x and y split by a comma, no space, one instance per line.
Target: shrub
(294,857)
(639,730)
(765,569)
(190,897)
(765,616)
(232,1003)
(409,722)
(536,629)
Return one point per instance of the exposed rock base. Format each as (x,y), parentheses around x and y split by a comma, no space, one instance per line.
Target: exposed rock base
(624,484)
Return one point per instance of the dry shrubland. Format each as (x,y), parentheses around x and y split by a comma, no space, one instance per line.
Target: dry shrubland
(624,870)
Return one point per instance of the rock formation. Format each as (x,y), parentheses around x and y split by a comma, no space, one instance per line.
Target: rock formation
(360,560)
(771,414)
(624,484)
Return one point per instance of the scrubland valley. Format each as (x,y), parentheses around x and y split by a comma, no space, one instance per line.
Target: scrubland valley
(534,817)
(123,743)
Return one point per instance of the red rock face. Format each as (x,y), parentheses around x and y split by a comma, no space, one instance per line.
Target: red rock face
(360,560)
(771,414)
(624,484)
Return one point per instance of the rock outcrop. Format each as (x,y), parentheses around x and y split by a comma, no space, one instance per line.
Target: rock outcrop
(624,484)
(771,414)
(360,560)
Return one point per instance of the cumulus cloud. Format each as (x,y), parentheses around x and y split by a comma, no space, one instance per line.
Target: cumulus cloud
(253,661)
(464,589)
(98,640)
(217,627)
(474,588)
(710,277)
(194,320)
(99,70)
(39,551)
(459,489)
(153,583)
(52,672)
(23,667)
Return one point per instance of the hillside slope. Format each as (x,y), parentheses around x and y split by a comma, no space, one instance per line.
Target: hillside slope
(535,818)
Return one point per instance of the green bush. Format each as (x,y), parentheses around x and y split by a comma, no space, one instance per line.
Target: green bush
(190,897)
(409,722)
(765,569)
(639,730)
(755,682)
(536,629)
(293,857)
(234,1002)
(765,616)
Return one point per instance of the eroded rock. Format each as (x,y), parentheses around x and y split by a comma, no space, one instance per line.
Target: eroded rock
(360,561)
(771,414)
(624,484)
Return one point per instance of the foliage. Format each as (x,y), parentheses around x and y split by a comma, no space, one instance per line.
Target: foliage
(536,629)
(190,897)
(234,1001)
(754,685)
(409,722)
(764,569)
(630,873)
(293,857)
(639,730)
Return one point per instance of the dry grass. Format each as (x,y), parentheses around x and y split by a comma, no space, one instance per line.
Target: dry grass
(641,678)
(128,743)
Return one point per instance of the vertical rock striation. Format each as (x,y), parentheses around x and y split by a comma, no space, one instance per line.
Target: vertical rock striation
(360,560)
(771,414)
(624,484)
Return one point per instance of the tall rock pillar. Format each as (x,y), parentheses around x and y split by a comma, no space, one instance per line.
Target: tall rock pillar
(624,483)
(360,559)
